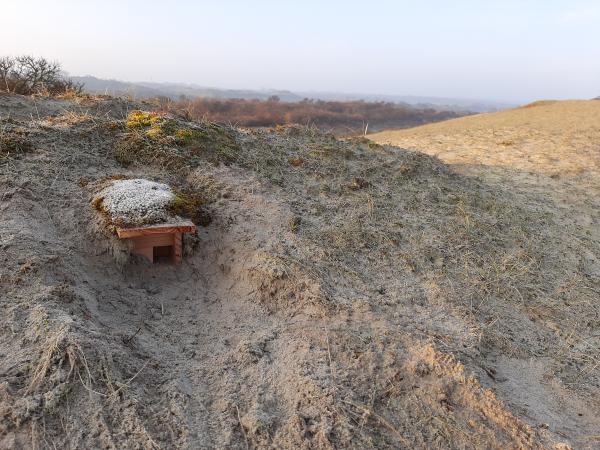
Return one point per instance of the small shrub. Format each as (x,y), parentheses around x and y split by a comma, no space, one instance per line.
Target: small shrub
(294,223)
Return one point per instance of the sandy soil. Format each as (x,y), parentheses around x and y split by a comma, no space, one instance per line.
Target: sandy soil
(344,295)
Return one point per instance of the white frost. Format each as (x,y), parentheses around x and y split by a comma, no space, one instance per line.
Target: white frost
(137,201)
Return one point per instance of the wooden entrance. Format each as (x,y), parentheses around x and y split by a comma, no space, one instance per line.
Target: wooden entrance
(158,243)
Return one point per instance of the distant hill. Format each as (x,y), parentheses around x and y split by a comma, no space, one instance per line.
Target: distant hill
(439,103)
(176,90)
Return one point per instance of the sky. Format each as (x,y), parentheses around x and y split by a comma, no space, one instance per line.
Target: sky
(513,51)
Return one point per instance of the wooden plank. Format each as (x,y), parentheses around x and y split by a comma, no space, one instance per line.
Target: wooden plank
(181,227)
(153,240)
(177,248)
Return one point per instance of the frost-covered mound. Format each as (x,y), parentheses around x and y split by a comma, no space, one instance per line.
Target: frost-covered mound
(136,201)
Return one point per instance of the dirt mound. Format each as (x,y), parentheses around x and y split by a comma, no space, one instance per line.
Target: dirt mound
(344,295)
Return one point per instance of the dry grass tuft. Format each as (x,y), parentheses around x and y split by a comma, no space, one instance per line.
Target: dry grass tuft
(14,142)
(54,348)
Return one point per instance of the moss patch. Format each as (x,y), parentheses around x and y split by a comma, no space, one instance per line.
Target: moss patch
(175,145)
(190,204)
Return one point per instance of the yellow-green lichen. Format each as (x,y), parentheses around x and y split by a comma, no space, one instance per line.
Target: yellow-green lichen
(141,119)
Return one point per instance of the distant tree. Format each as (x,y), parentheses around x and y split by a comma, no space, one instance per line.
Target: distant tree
(163,100)
(29,75)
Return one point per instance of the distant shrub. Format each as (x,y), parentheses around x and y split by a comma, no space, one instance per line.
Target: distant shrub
(29,75)
(334,114)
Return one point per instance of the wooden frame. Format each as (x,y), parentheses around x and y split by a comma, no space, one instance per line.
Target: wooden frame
(144,239)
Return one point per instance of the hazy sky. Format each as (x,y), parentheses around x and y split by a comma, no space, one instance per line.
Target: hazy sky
(504,50)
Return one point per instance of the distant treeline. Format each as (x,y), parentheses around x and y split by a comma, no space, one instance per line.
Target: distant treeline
(345,117)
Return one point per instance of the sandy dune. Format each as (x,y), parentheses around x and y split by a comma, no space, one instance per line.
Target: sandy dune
(344,294)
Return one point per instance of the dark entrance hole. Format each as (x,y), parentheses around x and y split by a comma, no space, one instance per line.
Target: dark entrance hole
(163,254)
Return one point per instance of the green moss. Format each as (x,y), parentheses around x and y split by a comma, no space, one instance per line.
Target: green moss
(190,136)
(190,204)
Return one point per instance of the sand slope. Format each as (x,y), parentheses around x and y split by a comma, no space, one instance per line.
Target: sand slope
(548,155)
(345,295)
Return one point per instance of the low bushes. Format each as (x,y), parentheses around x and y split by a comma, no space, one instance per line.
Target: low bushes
(28,75)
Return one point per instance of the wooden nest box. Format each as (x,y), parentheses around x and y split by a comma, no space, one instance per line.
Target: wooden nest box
(130,202)
(159,242)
